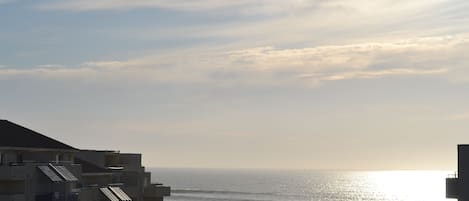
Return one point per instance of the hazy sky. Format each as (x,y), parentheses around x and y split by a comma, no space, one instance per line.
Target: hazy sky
(336,84)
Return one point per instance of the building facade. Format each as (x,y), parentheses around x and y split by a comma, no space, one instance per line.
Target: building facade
(457,185)
(34,167)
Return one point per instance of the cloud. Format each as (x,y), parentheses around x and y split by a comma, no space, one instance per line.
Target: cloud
(376,74)
(60,72)
(190,5)
(431,56)
(292,23)
(355,56)
(247,7)
(50,66)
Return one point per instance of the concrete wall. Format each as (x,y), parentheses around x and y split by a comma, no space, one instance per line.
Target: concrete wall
(96,180)
(131,161)
(157,191)
(90,194)
(463,172)
(12,187)
(133,175)
(94,157)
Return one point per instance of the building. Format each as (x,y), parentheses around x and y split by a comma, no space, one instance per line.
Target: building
(457,185)
(34,167)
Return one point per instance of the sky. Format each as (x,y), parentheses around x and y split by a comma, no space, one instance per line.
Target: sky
(302,84)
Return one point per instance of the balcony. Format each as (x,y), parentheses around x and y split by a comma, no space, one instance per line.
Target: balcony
(18,197)
(452,186)
(89,193)
(157,190)
(13,172)
(57,197)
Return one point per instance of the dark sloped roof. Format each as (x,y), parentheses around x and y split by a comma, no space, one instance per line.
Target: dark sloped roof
(14,135)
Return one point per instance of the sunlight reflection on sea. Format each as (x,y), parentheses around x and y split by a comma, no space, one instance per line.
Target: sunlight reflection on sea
(275,185)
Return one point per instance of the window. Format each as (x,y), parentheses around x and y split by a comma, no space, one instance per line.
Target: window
(59,158)
(1,158)
(19,158)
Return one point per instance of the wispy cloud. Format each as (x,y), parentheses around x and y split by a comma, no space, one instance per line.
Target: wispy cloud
(60,73)
(50,66)
(269,65)
(88,5)
(370,74)
(245,6)
(293,23)
(422,53)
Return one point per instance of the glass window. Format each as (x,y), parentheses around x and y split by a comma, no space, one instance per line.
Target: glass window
(19,158)
(1,158)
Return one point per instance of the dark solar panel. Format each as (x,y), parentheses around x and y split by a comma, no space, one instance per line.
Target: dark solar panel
(109,194)
(120,193)
(50,173)
(64,173)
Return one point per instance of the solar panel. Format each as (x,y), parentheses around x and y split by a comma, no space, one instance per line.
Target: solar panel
(109,194)
(50,174)
(120,193)
(64,173)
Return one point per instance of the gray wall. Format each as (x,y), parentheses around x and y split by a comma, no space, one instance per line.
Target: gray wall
(463,172)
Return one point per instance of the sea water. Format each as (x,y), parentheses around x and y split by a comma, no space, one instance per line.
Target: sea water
(301,185)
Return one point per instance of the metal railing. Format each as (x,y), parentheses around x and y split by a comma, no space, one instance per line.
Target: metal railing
(26,162)
(452,176)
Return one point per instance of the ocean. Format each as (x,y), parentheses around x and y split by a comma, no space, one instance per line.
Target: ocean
(301,185)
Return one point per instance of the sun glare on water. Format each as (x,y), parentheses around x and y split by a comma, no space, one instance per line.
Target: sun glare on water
(409,185)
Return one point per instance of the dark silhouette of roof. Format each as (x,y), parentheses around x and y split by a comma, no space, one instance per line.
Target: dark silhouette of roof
(14,135)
